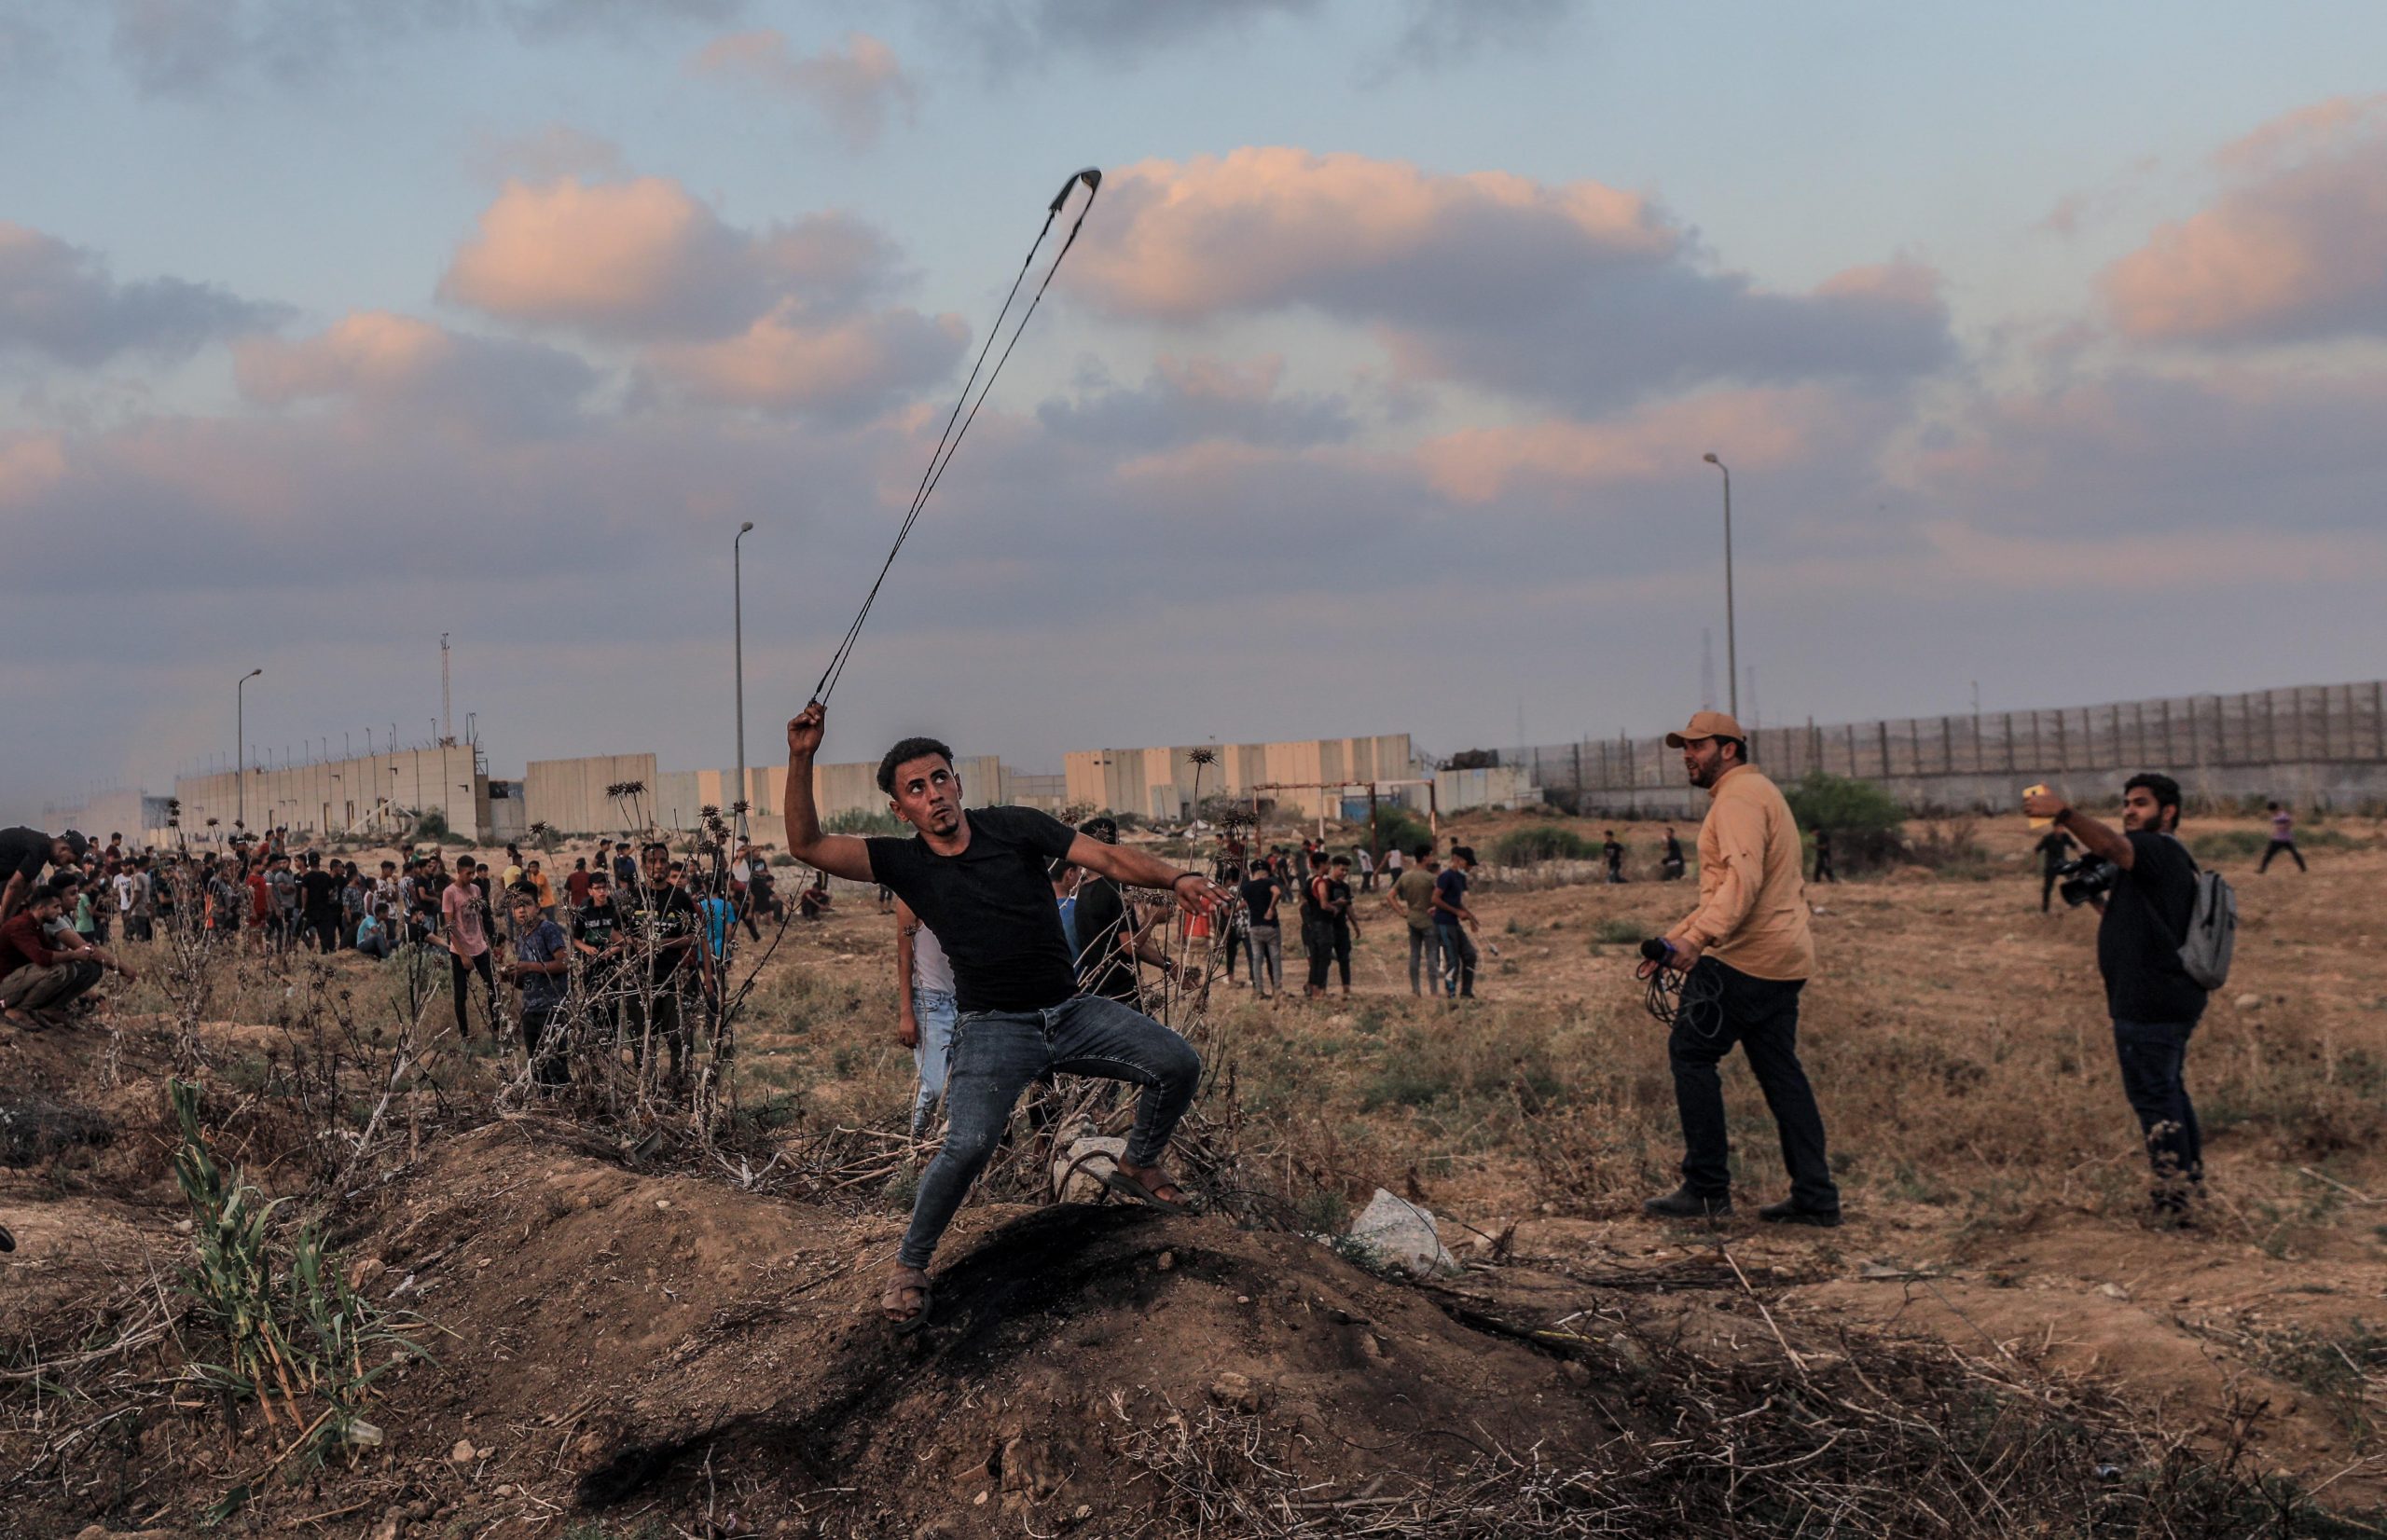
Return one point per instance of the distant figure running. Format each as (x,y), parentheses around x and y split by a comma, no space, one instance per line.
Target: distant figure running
(2283,838)
(1824,872)
(1670,865)
(979,880)
(2055,847)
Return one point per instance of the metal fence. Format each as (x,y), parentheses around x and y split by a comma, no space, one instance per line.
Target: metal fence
(2190,735)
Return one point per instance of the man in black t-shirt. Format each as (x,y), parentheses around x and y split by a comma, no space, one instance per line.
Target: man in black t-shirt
(978,881)
(598,943)
(662,926)
(319,903)
(1262,893)
(2154,1004)
(1111,936)
(24,853)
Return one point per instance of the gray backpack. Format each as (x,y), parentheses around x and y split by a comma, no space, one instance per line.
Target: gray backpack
(2213,930)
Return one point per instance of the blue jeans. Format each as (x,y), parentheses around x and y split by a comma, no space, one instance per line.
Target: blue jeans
(2154,1058)
(996,1053)
(932,1009)
(1458,960)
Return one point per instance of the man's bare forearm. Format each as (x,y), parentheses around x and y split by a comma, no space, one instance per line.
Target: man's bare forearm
(2098,839)
(796,809)
(1132,867)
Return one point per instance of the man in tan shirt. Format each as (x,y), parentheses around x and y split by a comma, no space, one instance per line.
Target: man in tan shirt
(1746,953)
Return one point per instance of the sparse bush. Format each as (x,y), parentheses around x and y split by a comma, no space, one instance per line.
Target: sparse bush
(2218,845)
(1541,841)
(862,820)
(1397,828)
(1616,930)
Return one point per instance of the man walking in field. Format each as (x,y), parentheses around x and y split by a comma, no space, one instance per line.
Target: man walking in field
(979,880)
(1413,898)
(1746,954)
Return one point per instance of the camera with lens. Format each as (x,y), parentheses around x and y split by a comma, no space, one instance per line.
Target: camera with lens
(2086,877)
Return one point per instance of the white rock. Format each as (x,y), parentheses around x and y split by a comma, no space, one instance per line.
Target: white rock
(1083,1185)
(1402,1234)
(2248,1002)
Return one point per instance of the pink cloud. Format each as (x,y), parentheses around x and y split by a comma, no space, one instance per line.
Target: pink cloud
(368,349)
(2295,248)
(1579,295)
(1264,226)
(782,362)
(853,87)
(419,372)
(643,259)
(574,253)
(1759,429)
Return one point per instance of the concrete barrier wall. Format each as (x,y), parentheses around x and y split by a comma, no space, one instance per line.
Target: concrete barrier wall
(2316,746)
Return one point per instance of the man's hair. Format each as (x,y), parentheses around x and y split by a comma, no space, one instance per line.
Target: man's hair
(465,864)
(652,846)
(64,883)
(1340,860)
(522,890)
(903,754)
(389,866)
(1423,851)
(2166,790)
(2272,806)
(1100,827)
(1741,749)
(1465,853)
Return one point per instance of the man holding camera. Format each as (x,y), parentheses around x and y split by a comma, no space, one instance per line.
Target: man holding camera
(1745,954)
(2149,895)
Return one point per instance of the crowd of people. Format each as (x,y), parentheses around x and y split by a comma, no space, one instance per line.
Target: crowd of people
(632,942)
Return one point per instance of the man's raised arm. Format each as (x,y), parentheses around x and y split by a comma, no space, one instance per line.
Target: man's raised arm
(840,855)
(1137,870)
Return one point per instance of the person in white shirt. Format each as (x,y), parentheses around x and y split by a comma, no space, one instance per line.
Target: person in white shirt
(925,1012)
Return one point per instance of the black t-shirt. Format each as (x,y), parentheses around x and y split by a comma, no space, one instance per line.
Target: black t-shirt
(321,890)
(992,907)
(1339,893)
(595,924)
(23,852)
(2053,846)
(1102,967)
(2138,942)
(660,914)
(1260,897)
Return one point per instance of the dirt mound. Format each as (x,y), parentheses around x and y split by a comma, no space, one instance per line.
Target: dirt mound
(623,1338)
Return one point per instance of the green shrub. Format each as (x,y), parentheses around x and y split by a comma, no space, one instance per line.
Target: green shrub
(1397,829)
(862,820)
(1543,842)
(1865,820)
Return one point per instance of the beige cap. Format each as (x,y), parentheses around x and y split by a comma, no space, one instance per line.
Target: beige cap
(1707,724)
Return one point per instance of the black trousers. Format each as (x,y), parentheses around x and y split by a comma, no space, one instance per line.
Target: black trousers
(460,973)
(1722,1006)
(1822,867)
(2047,888)
(2274,848)
(323,926)
(2154,1059)
(542,1042)
(1319,940)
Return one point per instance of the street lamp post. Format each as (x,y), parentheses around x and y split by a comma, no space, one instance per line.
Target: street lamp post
(738,652)
(239,736)
(1732,641)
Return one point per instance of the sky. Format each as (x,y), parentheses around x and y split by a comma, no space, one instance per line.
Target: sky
(2046,346)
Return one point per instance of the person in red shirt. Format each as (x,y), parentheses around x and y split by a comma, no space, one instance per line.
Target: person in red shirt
(260,906)
(36,979)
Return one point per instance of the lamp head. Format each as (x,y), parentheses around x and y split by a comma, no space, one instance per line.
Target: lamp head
(1710,458)
(747,528)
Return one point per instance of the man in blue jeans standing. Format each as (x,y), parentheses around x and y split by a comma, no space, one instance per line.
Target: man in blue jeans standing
(978,881)
(2154,1004)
